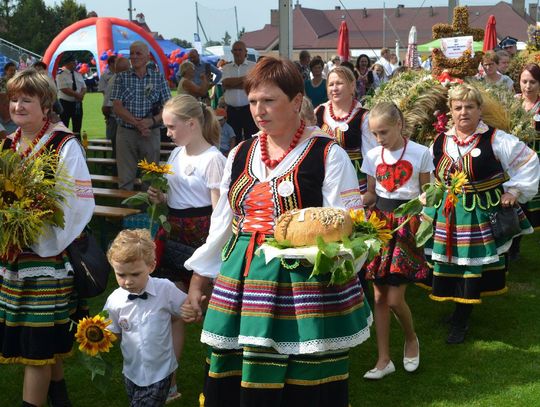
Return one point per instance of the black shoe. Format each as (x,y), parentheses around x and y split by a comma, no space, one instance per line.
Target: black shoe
(457,334)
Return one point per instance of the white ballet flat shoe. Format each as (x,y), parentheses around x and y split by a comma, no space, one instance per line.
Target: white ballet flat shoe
(411,364)
(376,374)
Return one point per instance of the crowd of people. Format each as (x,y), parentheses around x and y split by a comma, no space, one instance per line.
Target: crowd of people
(293,135)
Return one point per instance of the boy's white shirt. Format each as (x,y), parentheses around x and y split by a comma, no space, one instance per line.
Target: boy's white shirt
(145,326)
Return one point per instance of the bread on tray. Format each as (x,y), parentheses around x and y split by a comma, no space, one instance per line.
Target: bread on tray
(301,227)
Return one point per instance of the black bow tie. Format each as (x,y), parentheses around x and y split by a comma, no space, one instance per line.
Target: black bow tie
(143,296)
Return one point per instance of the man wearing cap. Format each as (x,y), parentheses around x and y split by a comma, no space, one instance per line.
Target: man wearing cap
(234,74)
(138,96)
(509,44)
(71,91)
(227,140)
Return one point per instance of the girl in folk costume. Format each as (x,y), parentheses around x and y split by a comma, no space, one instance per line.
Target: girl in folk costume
(197,168)
(277,336)
(344,119)
(396,171)
(501,171)
(37,297)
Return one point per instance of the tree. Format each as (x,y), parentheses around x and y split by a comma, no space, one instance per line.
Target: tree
(226,38)
(69,12)
(6,11)
(182,43)
(32,26)
(242,32)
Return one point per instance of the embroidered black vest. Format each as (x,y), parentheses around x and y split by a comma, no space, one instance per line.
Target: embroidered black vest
(350,140)
(55,142)
(484,171)
(306,176)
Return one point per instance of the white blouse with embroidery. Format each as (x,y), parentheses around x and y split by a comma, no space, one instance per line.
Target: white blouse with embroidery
(79,205)
(517,160)
(340,189)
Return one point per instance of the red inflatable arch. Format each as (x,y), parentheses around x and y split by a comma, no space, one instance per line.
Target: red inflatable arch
(101,35)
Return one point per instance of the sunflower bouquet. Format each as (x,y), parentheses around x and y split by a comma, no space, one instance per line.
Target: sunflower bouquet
(154,175)
(31,196)
(432,197)
(94,339)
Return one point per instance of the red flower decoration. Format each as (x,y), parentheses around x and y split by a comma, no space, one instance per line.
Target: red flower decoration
(440,124)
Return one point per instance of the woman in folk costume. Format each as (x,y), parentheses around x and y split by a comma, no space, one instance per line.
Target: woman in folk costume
(529,82)
(344,119)
(37,298)
(501,171)
(277,337)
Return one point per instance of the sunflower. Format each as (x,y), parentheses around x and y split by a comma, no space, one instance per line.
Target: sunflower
(357,215)
(93,335)
(383,233)
(154,168)
(372,226)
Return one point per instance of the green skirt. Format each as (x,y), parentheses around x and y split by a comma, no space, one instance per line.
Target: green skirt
(475,266)
(278,306)
(36,310)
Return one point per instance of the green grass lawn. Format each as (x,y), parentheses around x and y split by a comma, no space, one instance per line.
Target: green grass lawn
(93,121)
(498,365)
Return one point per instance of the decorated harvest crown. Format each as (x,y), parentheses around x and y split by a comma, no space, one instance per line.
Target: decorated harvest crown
(466,65)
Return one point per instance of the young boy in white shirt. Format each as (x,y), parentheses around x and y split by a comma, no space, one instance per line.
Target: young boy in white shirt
(140,311)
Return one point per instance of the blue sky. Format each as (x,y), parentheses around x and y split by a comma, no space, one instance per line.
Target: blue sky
(176,18)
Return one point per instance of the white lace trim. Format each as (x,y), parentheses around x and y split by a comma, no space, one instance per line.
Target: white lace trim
(465,261)
(288,348)
(33,272)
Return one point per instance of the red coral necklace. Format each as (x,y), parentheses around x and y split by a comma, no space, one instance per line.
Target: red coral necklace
(18,135)
(466,142)
(400,157)
(264,146)
(344,118)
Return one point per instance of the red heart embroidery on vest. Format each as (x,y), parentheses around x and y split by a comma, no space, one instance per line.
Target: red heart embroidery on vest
(393,176)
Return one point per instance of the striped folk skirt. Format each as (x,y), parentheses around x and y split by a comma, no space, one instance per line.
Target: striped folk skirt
(277,331)
(35,310)
(476,266)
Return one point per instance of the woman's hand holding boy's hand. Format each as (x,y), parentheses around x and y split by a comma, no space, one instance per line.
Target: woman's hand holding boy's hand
(196,297)
(187,312)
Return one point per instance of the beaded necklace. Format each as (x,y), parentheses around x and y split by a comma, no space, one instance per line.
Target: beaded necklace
(264,146)
(400,157)
(466,142)
(344,118)
(18,135)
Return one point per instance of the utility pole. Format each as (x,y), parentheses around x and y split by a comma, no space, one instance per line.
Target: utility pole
(452,4)
(285,29)
(130,9)
(384,25)
(236,19)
